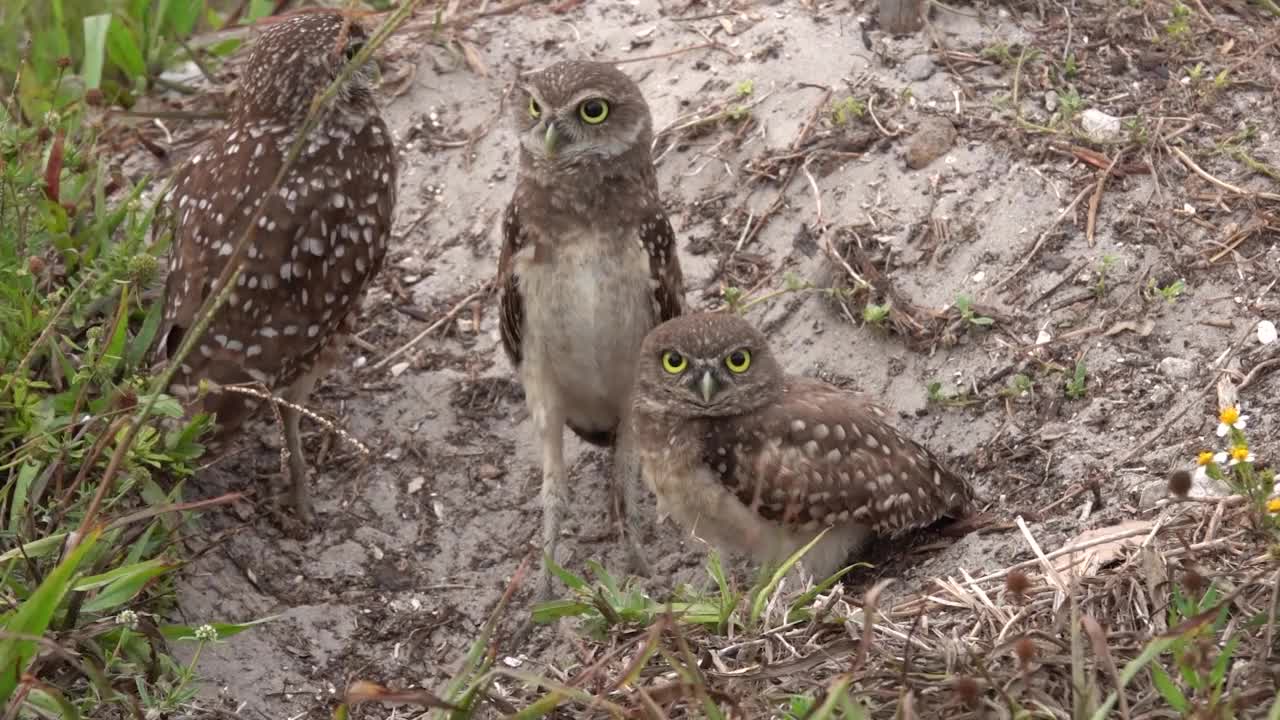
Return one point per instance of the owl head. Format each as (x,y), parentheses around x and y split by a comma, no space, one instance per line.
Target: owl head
(577,115)
(706,365)
(296,59)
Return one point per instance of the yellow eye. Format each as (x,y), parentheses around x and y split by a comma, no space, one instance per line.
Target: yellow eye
(594,111)
(535,110)
(738,361)
(673,362)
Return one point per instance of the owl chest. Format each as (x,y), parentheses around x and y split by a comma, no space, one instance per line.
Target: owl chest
(588,305)
(690,493)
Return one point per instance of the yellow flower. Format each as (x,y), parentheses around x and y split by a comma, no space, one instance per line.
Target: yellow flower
(1230,418)
(1238,454)
(1273,505)
(1204,458)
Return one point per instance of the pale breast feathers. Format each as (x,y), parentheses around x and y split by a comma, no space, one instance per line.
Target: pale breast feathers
(822,456)
(655,235)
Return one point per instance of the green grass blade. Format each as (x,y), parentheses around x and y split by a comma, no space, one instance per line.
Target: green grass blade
(131,581)
(33,616)
(1150,653)
(124,51)
(18,500)
(225,630)
(1168,689)
(761,598)
(146,336)
(95,49)
(53,703)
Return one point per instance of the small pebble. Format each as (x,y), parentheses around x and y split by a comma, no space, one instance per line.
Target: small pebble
(1178,368)
(1099,125)
(919,67)
(931,140)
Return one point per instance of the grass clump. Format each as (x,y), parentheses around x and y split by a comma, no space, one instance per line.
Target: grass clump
(117,50)
(91,515)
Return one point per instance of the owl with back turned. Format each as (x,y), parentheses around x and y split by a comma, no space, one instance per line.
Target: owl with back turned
(759,462)
(315,249)
(588,264)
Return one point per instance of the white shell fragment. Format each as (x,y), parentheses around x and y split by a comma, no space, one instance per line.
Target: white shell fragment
(1266,332)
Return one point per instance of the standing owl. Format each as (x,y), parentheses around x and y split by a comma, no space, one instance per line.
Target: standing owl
(317,246)
(588,263)
(759,462)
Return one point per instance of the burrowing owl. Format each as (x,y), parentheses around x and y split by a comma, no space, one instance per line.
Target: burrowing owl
(760,462)
(321,240)
(588,263)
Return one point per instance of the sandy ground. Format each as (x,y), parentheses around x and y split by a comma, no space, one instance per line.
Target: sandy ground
(418,540)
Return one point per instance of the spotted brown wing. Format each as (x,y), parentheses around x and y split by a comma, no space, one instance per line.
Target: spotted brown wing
(822,456)
(510,303)
(321,240)
(664,266)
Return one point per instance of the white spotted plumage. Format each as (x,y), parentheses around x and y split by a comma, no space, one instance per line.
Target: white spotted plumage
(301,268)
(770,460)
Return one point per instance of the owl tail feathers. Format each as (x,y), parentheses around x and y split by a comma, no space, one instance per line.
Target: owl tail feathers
(961,517)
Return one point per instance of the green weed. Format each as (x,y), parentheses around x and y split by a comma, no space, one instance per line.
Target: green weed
(873,314)
(1170,293)
(964,305)
(1076,385)
(1100,283)
(847,110)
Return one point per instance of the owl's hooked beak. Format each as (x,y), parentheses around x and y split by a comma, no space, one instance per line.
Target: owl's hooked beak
(553,137)
(708,386)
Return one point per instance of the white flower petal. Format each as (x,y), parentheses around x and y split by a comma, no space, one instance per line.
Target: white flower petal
(1220,457)
(1222,429)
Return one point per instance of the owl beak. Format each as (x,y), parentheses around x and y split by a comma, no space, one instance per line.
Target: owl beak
(708,386)
(553,137)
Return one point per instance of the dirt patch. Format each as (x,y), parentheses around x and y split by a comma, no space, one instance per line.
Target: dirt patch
(418,540)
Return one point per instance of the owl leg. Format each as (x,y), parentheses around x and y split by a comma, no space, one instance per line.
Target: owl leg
(300,487)
(548,422)
(299,484)
(626,486)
